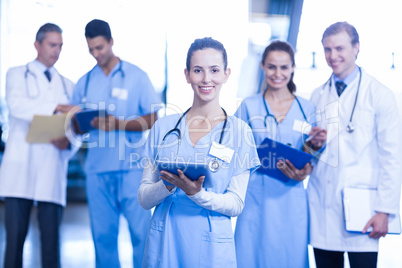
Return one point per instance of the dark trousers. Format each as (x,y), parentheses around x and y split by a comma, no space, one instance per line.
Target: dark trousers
(334,259)
(17,214)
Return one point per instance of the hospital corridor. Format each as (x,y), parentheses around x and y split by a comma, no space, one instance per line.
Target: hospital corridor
(210,84)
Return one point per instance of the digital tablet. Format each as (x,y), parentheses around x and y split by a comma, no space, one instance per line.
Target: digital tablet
(192,170)
(85,117)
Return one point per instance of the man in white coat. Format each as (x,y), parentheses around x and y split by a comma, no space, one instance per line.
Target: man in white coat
(361,126)
(31,172)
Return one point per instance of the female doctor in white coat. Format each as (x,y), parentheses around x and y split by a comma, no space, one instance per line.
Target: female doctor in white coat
(363,150)
(35,171)
(191,224)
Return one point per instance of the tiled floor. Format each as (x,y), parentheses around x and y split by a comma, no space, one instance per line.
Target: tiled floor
(78,251)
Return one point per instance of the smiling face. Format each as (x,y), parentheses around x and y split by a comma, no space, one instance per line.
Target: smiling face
(278,68)
(49,49)
(340,54)
(206,74)
(101,50)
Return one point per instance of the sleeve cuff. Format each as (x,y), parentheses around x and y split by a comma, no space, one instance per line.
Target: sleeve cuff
(198,197)
(162,188)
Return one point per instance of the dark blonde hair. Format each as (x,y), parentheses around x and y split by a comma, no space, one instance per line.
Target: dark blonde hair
(339,27)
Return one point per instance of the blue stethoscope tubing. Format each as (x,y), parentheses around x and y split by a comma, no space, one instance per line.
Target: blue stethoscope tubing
(214,164)
(120,69)
(271,115)
(29,72)
(350,127)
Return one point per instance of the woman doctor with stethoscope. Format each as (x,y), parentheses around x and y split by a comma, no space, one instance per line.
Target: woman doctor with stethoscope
(191,225)
(274,219)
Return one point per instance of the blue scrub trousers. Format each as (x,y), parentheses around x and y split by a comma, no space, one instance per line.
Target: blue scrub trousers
(109,195)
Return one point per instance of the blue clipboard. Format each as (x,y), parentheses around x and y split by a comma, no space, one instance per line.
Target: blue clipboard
(192,170)
(270,152)
(85,117)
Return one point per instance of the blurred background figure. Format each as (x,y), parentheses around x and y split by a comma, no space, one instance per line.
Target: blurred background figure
(113,164)
(363,149)
(272,230)
(35,173)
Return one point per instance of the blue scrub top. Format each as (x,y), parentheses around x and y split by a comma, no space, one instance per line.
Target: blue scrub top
(237,136)
(253,112)
(126,94)
(182,233)
(272,230)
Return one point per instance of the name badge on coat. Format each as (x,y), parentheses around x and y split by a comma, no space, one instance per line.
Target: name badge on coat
(120,93)
(222,152)
(301,126)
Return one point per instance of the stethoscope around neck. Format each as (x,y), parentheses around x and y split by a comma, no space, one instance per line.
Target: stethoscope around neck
(350,127)
(272,116)
(120,69)
(213,164)
(29,72)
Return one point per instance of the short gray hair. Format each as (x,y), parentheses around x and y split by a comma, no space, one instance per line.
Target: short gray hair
(46,28)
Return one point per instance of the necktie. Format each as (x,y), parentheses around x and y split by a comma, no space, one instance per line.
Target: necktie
(340,87)
(48,76)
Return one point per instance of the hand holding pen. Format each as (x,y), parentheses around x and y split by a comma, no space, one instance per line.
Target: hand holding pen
(317,137)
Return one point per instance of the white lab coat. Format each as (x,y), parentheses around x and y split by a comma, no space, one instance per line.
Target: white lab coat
(368,157)
(33,171)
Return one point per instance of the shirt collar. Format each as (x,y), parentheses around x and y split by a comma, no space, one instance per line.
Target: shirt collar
(350,77)
(42,67)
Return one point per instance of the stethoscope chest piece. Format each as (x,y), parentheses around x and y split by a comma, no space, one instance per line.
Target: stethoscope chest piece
(214,165)
(350,128)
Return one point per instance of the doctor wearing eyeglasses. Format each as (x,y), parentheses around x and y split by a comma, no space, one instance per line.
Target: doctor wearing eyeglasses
(34,172)
(363,149)
(191,225)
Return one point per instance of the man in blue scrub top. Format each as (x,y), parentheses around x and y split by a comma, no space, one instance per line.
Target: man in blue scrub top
(113,171)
